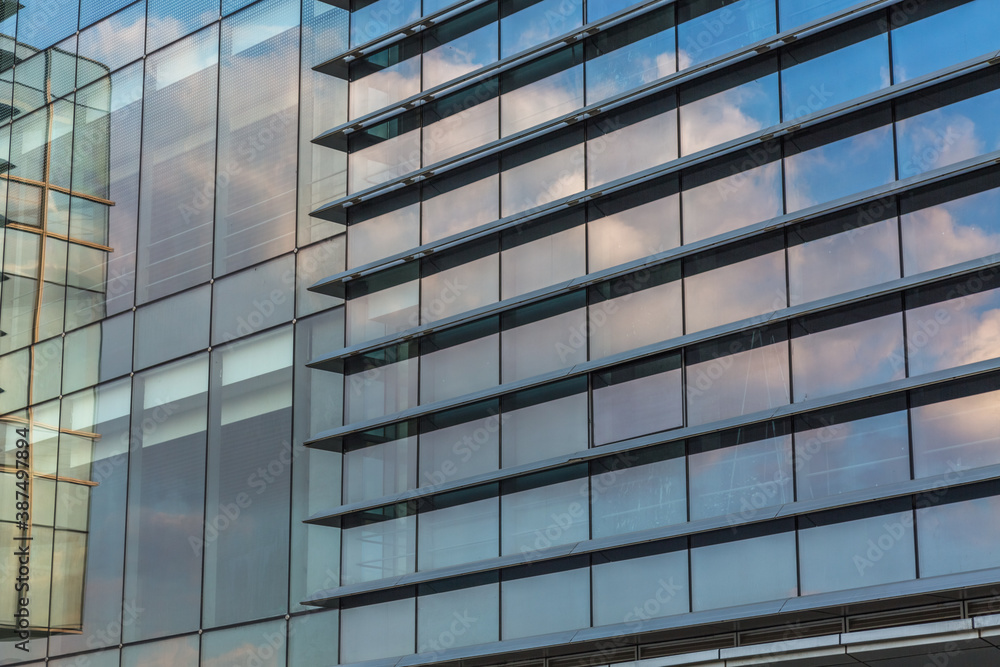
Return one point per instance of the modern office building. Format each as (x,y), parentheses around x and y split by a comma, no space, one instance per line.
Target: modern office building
(548,333)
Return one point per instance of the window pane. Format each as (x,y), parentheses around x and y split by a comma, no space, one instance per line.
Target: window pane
(743,571)
(837,555)
(244,644)
(167,500)
(535,181)
(545,89)
(380,470)
(959,536)
(255,193)
(645,310)
(544,254)
(737,376)
(734,104)
(925,39)
(835,68)
(526,23)
(959,331)
(813,161)
(249,480)
(638,490)
(459,46)
(959,126)
(732,194)
(175,221)
(852,449)
(955,428)
(158,336)
(377,550)
(380,236)
(816,254)
(737,473)
(793,13)
(629,55)
(545,345)
(253,300)
(383,78)
(628,591)
(374,312)
(734,284)
(458,533)
(451,285)
(547,603)
(454,205)
(544,516)
(363,633)
(637,399)
(629,142)
(836,352)
(710,28)
(454,126)
(951,224)
(383,161)
(543,423)
(373,18)
(634,225)
(460,369)
(461,617)
(460,450)
(380,390)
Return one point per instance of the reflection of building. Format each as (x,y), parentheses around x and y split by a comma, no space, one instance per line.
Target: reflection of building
(54,264)
(471,333)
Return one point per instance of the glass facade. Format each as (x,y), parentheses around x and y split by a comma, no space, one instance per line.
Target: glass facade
(417,331)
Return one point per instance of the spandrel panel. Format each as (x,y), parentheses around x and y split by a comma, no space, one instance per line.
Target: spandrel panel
(166,506)
(172,327)
(255,179)
(925,39)
(710,28)
(253,300)
(178,157)
(249,469)
(728,106)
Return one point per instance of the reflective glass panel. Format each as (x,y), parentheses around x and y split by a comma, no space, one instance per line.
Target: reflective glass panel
(710,28)
(547,603)
(460,529)
(629,591)
(363,633)
(640,398)
(638,490)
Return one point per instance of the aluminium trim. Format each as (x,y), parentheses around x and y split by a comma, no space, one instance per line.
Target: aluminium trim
(333,211)
(326,597)
(331,516)
(333,361)
(334,284)
(336,435)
